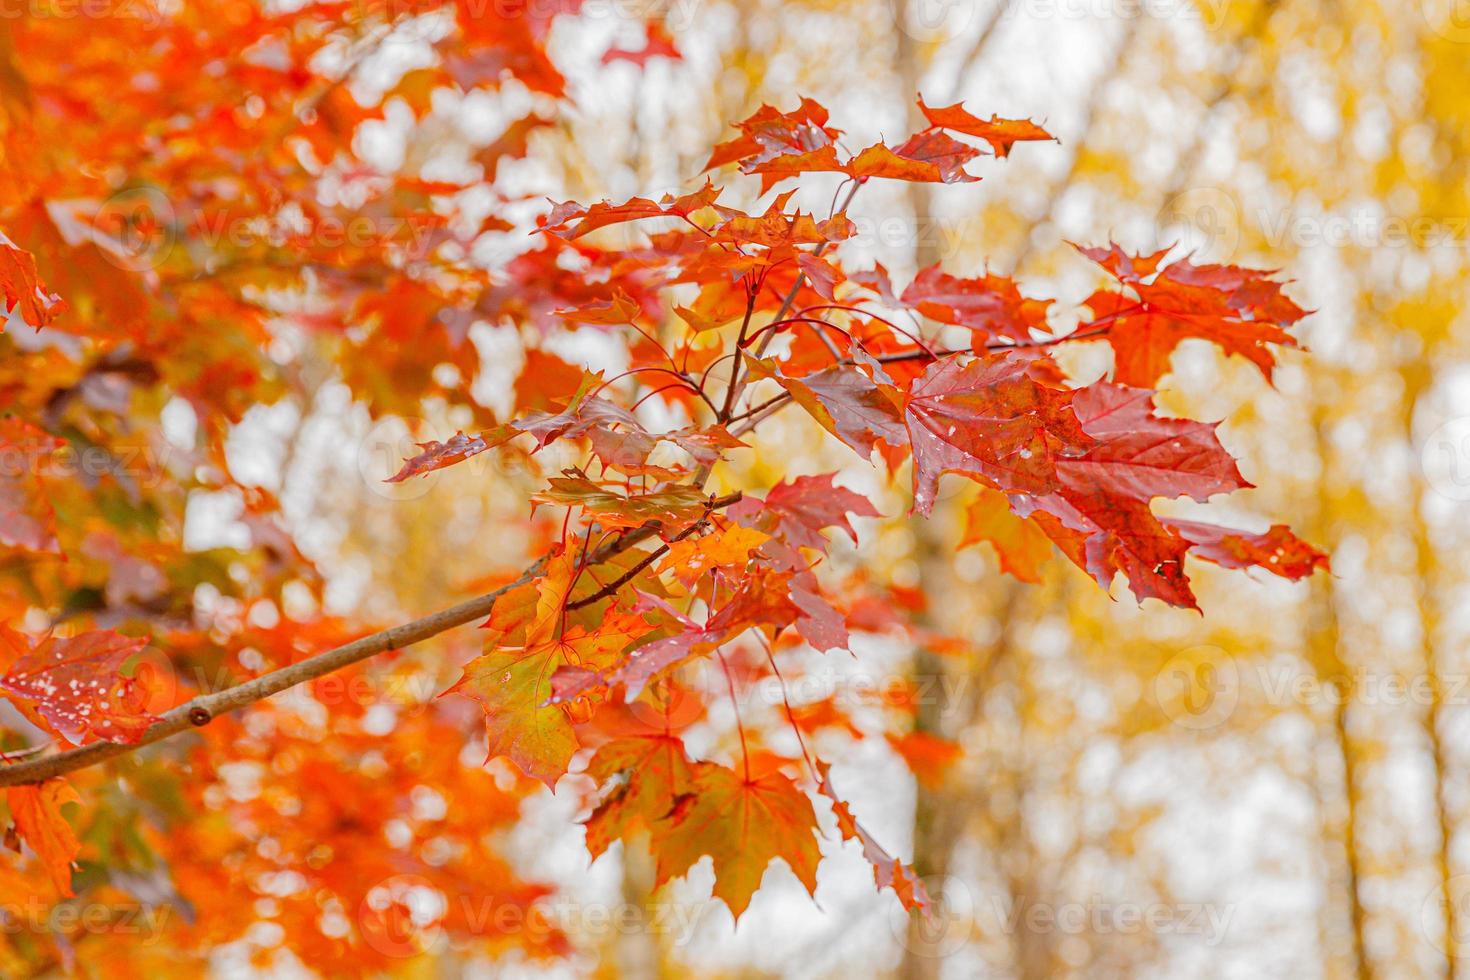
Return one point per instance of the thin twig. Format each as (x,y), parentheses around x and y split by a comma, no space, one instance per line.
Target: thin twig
(734,388)
(715,504)
(203,709)
(796,287)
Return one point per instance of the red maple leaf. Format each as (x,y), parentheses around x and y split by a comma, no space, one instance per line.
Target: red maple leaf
(76,683)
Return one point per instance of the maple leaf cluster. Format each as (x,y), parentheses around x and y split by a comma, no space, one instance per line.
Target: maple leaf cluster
(175,214)
(171,173)
(1074,466)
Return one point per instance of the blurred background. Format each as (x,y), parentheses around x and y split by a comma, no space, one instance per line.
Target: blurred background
(1276,787)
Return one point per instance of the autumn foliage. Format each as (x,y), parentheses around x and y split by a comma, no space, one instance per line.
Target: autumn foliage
(658,568)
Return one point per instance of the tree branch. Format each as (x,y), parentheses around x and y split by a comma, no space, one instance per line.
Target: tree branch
(206,707)
(654,555)
(800,276)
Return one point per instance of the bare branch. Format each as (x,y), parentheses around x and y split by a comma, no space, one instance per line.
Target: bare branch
(205,708)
